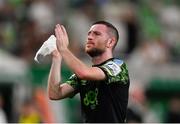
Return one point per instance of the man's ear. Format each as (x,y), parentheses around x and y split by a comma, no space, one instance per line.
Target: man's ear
(111,42)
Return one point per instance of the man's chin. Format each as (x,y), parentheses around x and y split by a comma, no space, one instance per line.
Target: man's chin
(88,50)
(94,52)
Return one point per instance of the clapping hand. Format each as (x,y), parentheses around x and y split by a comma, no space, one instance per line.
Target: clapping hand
(62,40)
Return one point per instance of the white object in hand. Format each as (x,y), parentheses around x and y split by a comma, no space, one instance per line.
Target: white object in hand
(48,46)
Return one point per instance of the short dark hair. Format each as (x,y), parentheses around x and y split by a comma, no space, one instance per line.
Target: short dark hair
(112,28)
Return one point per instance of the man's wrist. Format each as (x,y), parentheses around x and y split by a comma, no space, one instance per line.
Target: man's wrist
(56,55)
(64,51)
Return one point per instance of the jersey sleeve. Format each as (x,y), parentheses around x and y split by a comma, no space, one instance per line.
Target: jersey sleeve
(116,72)
(73,81)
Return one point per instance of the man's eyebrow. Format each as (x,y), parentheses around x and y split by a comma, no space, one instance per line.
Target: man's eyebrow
(97,32)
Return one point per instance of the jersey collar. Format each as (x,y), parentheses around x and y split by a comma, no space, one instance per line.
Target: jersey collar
(102,62)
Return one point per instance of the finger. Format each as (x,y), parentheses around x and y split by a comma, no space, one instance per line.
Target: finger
(63,30)
(65,36)
(58,31)
(58,25)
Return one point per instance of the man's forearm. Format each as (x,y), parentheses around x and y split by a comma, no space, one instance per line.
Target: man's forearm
(78,67)
(54,79)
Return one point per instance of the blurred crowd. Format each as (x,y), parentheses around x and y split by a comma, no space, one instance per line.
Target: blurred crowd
(149,42)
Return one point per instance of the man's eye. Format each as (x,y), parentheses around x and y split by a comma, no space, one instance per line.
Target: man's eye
(96,33)
(89,33)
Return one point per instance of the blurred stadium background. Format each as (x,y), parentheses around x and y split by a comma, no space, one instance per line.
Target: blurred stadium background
(149,43)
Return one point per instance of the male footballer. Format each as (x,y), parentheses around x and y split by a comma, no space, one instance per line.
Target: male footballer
(104,86)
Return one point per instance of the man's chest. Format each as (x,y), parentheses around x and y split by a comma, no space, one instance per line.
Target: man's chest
(90,92)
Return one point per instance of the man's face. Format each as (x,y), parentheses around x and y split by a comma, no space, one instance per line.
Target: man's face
(96,40)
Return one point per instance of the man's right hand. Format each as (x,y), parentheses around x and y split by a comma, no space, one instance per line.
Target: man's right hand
(56,55)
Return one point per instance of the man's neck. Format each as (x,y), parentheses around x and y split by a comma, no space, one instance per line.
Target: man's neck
(101,58)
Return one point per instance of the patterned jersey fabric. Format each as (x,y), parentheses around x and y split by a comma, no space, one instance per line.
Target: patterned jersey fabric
(105,100)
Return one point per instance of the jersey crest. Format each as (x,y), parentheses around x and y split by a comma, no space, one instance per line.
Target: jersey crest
(113,68)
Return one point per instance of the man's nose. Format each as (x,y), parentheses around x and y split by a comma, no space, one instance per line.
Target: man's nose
(90,37)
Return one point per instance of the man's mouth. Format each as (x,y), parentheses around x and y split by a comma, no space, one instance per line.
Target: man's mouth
(89,44)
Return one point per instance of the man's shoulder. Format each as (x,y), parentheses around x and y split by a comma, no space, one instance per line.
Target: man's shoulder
(114,61)
(118,61)
(113,66)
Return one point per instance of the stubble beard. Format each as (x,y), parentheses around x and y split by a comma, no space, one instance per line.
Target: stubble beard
(94,52)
